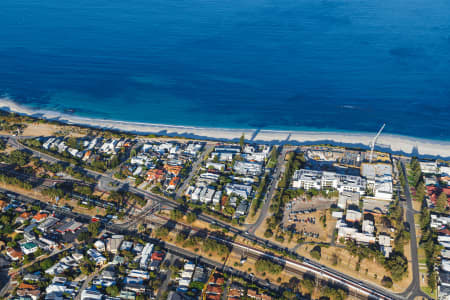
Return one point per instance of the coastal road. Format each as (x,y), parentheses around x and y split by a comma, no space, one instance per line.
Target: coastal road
(270,191)
(413,289)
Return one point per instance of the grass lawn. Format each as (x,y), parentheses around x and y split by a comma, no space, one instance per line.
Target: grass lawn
(421,256)
(427,290)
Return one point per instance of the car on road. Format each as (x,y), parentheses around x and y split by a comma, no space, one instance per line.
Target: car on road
(407,226)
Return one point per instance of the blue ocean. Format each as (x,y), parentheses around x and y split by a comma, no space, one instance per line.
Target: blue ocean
(344,65)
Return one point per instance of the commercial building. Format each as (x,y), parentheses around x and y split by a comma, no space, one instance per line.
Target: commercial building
(311,179)
(379,179)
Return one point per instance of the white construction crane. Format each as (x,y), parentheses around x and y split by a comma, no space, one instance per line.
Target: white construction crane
(372,144)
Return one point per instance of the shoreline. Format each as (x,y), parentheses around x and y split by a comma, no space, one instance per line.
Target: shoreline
(396,144)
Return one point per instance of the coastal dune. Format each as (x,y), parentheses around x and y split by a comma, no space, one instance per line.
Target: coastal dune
(396,144)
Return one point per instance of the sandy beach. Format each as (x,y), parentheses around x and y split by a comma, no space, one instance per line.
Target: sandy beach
(396,144)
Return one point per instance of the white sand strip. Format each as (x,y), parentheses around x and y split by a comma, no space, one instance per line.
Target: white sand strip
(395,143)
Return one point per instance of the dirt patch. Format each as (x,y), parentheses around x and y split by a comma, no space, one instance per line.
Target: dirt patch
(369,270)
(42,129)
(316,233)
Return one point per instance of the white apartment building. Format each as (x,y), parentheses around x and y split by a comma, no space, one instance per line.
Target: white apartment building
(307,179)
(247,168)
(207,194)
(379,179)
(238,189)
(428,167)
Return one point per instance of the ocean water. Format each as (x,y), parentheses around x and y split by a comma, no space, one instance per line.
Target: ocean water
(288,64)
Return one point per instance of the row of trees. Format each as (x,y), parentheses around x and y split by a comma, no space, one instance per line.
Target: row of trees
(208,245)
(12,180)
(264,265)
(261,190)
(431,246)
(283,195)
(307,286)
(396,264)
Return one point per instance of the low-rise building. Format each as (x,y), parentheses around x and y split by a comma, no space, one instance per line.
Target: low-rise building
(353,216)
(348,198)
(428,167)
(96,257)
(310,179)
(29,247)
(248,168)
(241,190)
(242,209)
(114,242)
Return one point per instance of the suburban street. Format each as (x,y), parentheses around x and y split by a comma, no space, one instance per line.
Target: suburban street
(194,169)
(86,282)
(279,169)
(414,288)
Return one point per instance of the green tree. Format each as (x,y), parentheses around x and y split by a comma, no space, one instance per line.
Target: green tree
(242,141)
(181,237)
(387,282)
(263,265)
(191,217)
(93,228)
(316,252)
(46,263)
(161,232)
(420,192)
(112,290)
(132,152)
(441,202)
(268,233)
(83,236)
(176,214)
(307,284)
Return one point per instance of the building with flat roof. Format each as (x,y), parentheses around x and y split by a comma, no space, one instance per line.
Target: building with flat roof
(48,223)
(311,179)
(428,167)
(69,226)
(114,242)
(241,190)
(145,256)
(379,179)
(29,247)
(348,198)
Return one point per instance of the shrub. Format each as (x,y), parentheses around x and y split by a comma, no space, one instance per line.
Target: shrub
(387,282)
(268,233)
(316,253)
